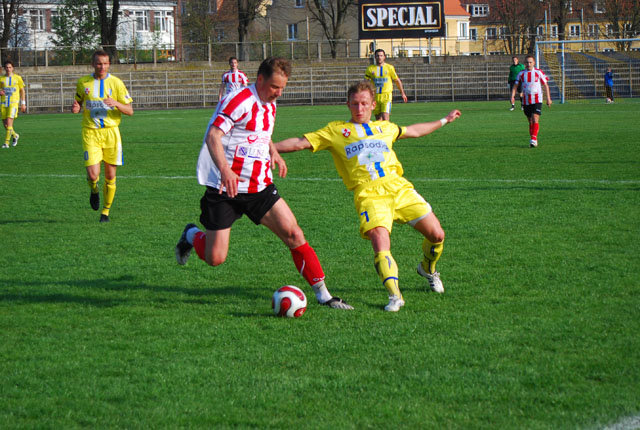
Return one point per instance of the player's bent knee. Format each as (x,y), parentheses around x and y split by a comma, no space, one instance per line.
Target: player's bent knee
(216,259)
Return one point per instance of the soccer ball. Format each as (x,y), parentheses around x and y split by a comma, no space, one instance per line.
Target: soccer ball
(289,301)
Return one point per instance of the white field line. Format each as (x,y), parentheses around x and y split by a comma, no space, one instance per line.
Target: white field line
(629,423)
(299,179)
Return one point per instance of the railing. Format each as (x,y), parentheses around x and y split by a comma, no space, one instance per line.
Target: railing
(473,79)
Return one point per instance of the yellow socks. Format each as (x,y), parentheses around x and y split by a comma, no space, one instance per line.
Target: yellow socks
(431,252)
(93,185)
(9,135)
(388,272)
(109,192)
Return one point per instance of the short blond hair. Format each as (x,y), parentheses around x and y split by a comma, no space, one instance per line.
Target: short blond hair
(359,87)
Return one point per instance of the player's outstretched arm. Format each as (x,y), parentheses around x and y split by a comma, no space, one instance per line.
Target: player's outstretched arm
(292,144)
(424,128)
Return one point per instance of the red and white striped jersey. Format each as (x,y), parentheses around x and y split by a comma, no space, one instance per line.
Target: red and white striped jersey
(234,80)
(247,124)
(531,81)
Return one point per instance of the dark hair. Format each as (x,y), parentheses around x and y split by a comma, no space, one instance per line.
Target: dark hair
(7,62)
(272,64)
(361,86)
(99,53)
(380,50)
(231,59)
(530,56)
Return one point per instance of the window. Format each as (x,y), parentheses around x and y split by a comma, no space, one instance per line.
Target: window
(609,30)
(161,21)
(473,33)
(213,6)
(463,30)
(55,14)
(478,9)
(142,20)
(491,33)
(592,30)
(628,30)
(299,3)
(37,19)
(292,32)
(503,32)
(540,30)
(574,30)
(220,34)
(554,31)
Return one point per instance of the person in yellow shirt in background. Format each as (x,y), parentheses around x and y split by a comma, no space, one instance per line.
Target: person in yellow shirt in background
(104,99)
(12,93)
(381,76)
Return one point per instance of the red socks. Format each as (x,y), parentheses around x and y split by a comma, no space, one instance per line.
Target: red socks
(307,263)
(533,130)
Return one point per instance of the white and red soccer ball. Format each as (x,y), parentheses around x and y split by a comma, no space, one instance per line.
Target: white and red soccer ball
(289,301)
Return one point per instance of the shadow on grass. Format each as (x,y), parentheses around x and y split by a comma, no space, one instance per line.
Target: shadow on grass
(122,283)
(29,221)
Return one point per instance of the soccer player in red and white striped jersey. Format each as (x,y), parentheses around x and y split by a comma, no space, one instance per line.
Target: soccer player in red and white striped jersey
(235,164)
(532,81)
(233,79)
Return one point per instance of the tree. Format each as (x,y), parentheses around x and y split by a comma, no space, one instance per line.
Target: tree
(248,11)
(624,18)
(109,27)
(521,19)
(560,10)
(331,15)
(76,26)
(9,13)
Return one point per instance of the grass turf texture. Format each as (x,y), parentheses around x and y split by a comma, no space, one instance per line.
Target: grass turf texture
(538,327)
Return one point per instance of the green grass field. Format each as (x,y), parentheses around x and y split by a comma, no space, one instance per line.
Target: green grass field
(538,328)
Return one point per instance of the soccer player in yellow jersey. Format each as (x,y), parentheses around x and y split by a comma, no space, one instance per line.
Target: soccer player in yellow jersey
(104,99)
(363,154)
(12,93)
(381,76)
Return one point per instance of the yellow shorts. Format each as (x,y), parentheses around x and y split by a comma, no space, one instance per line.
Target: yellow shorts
(386,200)
(10,111)
(101,144)
(383,103)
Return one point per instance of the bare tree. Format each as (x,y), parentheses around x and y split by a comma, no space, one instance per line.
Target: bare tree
(109,26)
(560,10)
(9,12)
(520,19)
(331,15)
(248,11)
(624,18)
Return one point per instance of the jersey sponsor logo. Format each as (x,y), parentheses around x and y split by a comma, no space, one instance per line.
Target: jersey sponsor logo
(257,152)
(87,90)
(252,138)
(346,132)
(367,151)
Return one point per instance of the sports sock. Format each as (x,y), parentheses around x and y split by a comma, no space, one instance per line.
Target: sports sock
(199,241)
(307,263)
(534,130)
(191,233)
(321,292)
(388,272)
(431,252)
(8,135)
(93,185)
(109,192)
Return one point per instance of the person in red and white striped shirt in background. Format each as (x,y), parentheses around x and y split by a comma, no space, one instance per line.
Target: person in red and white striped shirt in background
(232,80)
(532,81)
(235,164)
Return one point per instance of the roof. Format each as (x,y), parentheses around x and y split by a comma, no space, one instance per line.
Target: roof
(454,8)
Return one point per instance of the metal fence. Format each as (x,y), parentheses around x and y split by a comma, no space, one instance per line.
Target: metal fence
(327,84)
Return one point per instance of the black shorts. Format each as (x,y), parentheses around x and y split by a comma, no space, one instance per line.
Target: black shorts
(513,83)
(535,108)
(218,211)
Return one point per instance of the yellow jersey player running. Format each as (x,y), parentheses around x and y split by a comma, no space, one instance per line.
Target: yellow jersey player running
(363,155)
(104,99)
(12,92)
(381,76)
